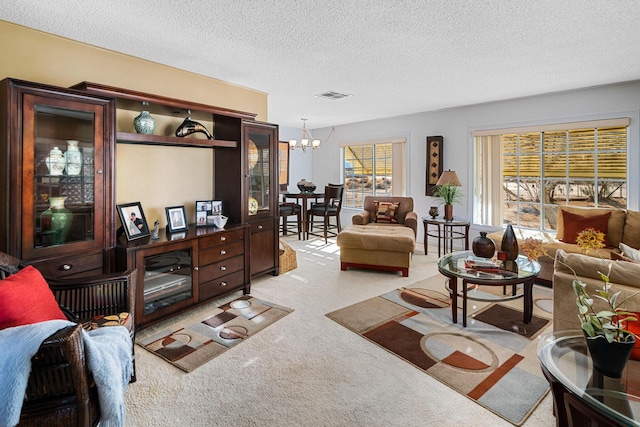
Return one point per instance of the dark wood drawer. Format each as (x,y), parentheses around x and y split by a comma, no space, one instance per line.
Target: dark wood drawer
(222,268)
(259,226)
(77,266)
(220,238)
(219,253)
(221,285)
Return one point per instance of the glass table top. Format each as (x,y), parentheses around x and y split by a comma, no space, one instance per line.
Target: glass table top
(566,358)
(454,264)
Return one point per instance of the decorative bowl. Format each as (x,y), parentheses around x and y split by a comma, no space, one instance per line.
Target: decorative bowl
(301,188)
(220,221)
(309,188)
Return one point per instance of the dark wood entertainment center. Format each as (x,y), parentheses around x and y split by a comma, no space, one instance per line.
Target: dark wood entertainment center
(175,271)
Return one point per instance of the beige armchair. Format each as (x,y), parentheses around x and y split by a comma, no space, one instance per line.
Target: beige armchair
(405,214)
(382,240)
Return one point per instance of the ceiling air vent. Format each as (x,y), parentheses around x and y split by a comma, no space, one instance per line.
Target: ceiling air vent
(333,95)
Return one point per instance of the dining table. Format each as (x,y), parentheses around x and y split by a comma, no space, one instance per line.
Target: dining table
(303,199)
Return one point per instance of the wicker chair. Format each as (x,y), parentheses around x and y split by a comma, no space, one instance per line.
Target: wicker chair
(60,390)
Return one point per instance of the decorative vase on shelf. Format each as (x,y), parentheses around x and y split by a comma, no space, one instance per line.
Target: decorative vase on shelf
(483,246)
(144,123)
(73,158)
(57,220)
(55,161)
(509,244)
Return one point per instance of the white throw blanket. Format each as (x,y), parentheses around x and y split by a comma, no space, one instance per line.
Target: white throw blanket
(108,352)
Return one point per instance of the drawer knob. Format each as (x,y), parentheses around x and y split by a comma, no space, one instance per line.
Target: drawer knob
(222,238)
(196,268)
(260,227)
(65,267)
(223,268)
(223,283)
(223,252)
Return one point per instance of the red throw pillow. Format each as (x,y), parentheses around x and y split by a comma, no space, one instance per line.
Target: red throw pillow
(25,298)
(574,224)
(634,327)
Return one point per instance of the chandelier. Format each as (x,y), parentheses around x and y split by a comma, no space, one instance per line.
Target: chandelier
(305,139)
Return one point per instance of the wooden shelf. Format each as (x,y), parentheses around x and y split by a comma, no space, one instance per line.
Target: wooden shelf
(138,138)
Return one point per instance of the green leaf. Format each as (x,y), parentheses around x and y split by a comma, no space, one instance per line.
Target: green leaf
(588,328)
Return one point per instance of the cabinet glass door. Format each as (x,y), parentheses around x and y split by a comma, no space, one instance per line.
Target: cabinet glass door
(259,158)
(167,279)
(62,159)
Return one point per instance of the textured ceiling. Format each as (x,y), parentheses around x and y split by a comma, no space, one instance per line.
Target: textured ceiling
(394,57)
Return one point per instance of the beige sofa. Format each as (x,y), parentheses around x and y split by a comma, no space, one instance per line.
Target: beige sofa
(624,276)
(380,246)
(623,227)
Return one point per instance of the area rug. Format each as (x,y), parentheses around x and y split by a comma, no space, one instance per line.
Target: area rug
(492,361)
(189,344)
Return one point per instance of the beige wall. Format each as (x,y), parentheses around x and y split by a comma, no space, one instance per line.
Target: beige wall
(156,176)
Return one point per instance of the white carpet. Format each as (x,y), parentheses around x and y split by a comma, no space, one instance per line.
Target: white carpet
(307,370)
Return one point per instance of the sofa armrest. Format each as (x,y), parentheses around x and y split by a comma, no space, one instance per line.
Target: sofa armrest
(361,218)
(411,220)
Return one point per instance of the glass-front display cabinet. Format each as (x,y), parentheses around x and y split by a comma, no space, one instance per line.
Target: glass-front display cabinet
(58,152)
(167,282)
(259,142)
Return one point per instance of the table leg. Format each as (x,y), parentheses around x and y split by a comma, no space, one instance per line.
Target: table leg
(453,284)
(528,300)
(466,237)
(464,303)
(426,237)
(439,241)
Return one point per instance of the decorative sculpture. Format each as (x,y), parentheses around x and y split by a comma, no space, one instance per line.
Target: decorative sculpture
(154,233)
(189,126)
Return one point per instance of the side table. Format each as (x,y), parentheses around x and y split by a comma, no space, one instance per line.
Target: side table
(446,232)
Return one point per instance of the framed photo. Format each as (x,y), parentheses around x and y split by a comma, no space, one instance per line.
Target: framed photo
(176,219)
(133,220)
(206,211)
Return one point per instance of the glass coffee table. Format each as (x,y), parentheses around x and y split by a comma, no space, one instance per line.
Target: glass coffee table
(453,267)
(581,394)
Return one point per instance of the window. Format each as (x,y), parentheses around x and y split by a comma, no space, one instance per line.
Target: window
(523,175)
(373,169)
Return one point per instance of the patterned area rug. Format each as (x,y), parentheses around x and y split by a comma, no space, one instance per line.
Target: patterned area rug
(492,361)
(191,343)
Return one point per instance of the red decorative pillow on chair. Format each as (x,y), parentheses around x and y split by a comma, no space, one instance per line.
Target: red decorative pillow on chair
(574,224)
(25,298)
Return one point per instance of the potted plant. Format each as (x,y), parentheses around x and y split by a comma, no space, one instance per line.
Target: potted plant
(450,194)
(609,342)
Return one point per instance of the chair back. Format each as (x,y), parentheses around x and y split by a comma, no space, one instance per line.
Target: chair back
(333,197)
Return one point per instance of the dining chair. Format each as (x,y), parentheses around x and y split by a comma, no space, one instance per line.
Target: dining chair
(285,210)
(328,208)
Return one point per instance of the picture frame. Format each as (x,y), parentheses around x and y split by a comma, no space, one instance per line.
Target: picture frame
(434,163)
(206,210)
(176,219)
(134,223)
(283,165)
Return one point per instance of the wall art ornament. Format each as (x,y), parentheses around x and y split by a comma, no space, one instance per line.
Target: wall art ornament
(434,162)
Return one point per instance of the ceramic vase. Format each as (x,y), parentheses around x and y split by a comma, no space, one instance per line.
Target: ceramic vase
(57,220)
(448,212)
(483,246)
(609,358)
(433,212)
(73,158)
(144,123)
(55,161)
(509,244)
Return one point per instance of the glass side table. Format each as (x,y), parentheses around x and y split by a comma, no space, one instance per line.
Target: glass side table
(446,232)
(580,393)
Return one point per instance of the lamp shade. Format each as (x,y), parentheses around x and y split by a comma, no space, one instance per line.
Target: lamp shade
(449,177)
